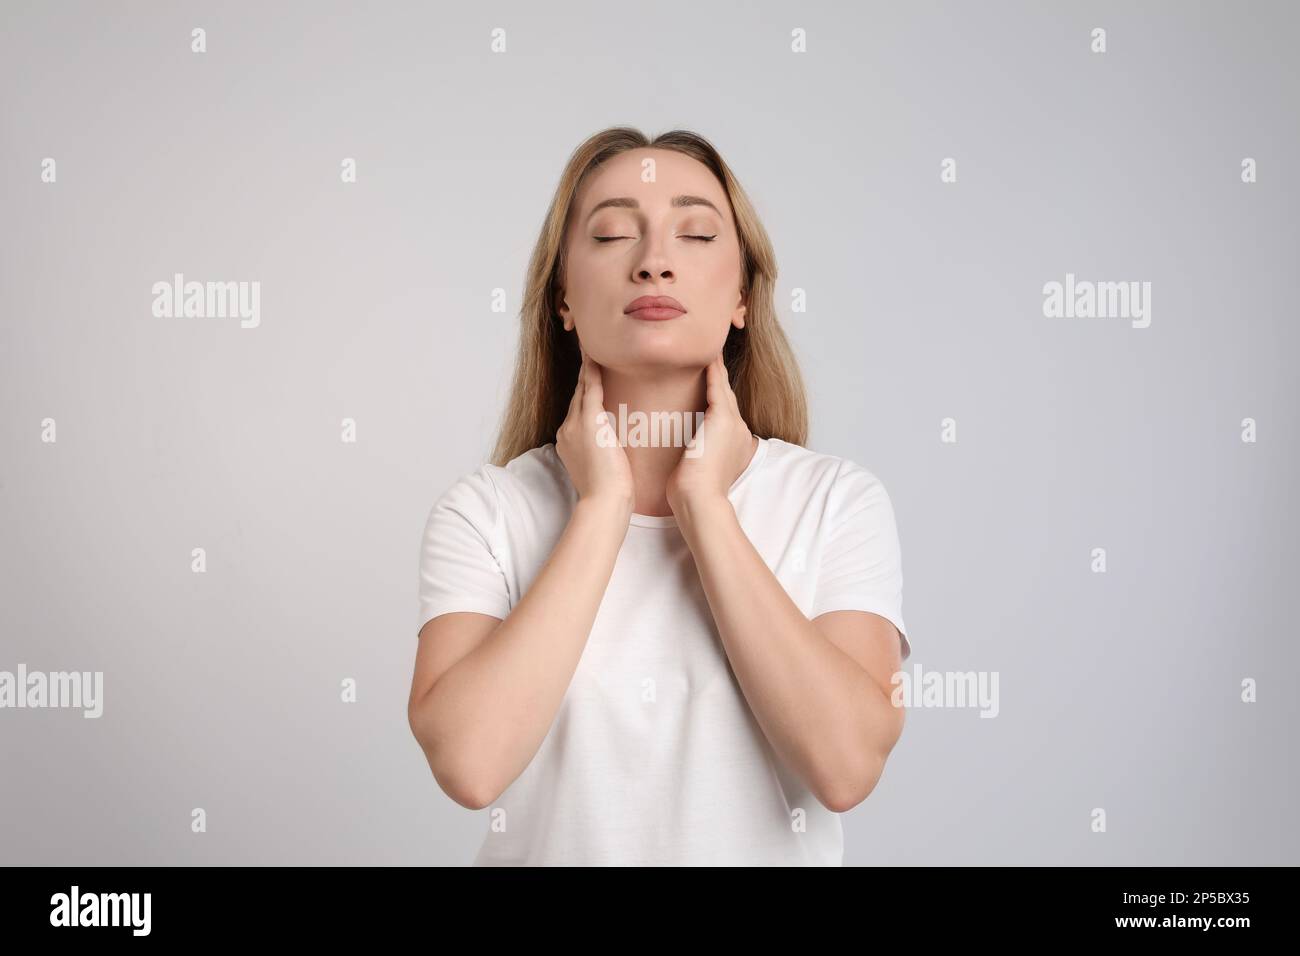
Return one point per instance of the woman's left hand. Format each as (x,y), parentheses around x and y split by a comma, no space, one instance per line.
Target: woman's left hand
(721,449)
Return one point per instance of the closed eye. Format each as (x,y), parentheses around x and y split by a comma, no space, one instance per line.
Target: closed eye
(613,238)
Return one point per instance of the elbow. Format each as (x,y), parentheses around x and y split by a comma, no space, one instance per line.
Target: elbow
(463,787)
(848,784)
(845,791)
(464,792)
(845,799)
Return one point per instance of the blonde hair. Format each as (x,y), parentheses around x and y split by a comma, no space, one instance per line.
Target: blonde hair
(760,363)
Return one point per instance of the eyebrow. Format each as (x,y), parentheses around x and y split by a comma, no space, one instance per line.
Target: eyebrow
(627,202)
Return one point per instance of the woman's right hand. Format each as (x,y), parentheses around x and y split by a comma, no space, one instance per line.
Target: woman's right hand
(588,445)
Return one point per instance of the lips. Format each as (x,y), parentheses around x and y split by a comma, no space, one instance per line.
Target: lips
(654,308)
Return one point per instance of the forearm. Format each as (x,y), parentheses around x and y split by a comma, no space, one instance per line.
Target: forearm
(824,715)
(485,718)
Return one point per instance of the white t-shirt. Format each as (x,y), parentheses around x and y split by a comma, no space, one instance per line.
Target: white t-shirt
(654,757)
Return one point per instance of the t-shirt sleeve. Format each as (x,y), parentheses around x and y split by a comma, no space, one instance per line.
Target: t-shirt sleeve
(460,568)
(861,563)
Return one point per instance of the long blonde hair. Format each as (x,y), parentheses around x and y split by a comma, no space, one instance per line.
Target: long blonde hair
(760,363)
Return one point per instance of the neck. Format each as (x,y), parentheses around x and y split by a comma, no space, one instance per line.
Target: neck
(652,454)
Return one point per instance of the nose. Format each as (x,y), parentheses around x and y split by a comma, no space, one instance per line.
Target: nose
(654,262)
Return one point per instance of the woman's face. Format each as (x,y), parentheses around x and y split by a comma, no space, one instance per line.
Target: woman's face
(644,245)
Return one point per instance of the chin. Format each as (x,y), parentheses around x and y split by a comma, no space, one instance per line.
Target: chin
(635,360)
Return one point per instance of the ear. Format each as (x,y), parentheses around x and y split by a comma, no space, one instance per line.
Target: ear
(738,317)
(565,316)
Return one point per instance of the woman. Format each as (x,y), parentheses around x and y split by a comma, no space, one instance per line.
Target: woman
(662,650)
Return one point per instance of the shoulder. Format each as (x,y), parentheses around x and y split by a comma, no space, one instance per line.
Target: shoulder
(537,476)
(490,491)
(841,481)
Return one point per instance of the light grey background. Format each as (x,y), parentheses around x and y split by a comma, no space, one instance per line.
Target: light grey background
(1118,690)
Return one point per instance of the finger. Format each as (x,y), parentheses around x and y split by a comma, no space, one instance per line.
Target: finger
(726,384)
(594,401)
(715,382)
(575,402)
